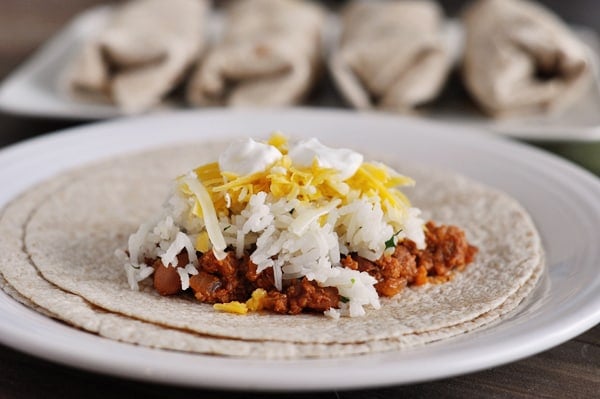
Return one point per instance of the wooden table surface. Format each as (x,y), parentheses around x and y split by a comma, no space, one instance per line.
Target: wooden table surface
(569,370)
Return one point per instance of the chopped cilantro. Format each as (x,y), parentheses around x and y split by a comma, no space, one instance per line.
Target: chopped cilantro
(390,243)
(344,299)
(353,280)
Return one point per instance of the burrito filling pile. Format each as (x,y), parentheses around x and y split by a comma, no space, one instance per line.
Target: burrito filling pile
(292,227)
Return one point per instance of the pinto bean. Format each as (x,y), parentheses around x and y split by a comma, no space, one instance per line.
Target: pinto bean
(166,279)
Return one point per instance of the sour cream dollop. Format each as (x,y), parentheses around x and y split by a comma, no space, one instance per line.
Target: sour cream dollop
(345,161)
(248,156)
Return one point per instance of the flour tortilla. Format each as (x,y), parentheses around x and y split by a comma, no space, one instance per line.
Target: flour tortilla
(55,239)
(268,55)
(140,54)
(507,44)
(391,54)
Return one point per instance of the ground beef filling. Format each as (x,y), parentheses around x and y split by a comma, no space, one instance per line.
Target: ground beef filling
(447,249)
(232,279)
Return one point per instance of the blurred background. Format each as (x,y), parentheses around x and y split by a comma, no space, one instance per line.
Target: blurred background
(27,24)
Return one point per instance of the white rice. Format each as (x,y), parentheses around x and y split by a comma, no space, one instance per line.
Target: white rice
(297,239)
(184,277)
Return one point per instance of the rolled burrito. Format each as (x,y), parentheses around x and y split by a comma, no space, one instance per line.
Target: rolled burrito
(142,52)
(268,56)
(391,54)
(520,58)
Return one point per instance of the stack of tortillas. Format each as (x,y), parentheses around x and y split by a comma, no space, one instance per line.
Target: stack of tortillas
(59,239)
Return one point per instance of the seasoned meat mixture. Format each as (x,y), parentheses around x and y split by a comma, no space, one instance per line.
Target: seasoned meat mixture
(232,279)
(447,249)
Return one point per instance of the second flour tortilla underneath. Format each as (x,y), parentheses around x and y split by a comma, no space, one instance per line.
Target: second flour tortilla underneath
(72,237)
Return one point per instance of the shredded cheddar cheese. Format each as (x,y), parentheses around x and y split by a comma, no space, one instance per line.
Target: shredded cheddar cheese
(202,242)
(231,307)
(255,303)
(217,193)
(279,141)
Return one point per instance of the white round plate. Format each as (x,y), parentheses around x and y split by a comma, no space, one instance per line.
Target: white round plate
(563,200)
